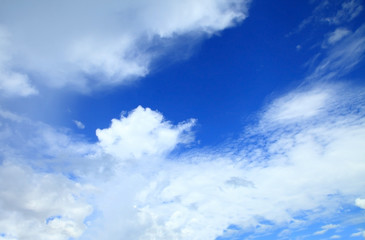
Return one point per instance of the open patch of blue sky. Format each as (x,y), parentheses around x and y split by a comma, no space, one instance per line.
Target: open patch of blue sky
(197,119)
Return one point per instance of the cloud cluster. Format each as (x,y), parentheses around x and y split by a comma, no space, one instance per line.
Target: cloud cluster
(299,168)
(105,43)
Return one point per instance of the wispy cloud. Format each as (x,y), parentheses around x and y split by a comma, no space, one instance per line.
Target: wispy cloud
(79,124)
(358,234)
(333,13)
(341,58)
(335,237)
(325,228)
(337,35)
(348,11)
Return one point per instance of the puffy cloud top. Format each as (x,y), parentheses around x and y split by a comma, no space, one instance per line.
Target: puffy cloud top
(142,133)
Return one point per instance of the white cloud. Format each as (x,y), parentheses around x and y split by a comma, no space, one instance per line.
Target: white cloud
(142,133)
(200,194)
(11,83)
(358,234)
(292,174)
(335,237)
(360,203)
(348,11)
(325,228)
(332,13)
(106,43)
(79,124)
(297,106)
(40,206)
(337,35)
(341,58)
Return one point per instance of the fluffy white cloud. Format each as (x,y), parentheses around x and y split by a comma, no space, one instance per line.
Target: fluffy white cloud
(106,43)
(142,133)
(360,203)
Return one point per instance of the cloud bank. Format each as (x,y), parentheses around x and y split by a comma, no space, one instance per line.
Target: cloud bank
(299,168)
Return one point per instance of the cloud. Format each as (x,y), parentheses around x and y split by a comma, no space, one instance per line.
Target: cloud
(40,206)
(79,124)
(12,83)
(337,35)
(360,203)
(325,228)
(341,58)
(280,175)
(358,234)
(335,237)
(142,133)
(332,13)
(200,194)
(297,106)
(107,43)
(348,11)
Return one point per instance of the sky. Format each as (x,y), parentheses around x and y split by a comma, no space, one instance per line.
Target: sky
(185,120)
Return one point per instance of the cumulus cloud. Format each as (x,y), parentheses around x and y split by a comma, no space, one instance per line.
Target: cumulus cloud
(105,43)
(142,133)
(360,203)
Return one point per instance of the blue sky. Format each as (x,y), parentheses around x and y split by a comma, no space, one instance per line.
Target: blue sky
(206,119)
